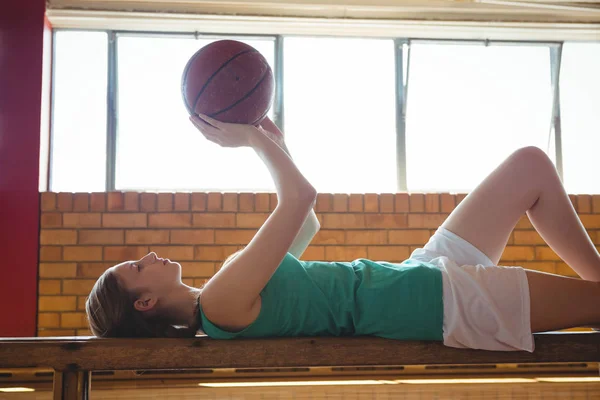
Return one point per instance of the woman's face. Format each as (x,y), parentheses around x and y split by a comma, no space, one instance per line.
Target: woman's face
(151,278)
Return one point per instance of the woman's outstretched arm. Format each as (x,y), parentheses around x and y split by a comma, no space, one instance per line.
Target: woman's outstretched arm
(311,225)
(235,289)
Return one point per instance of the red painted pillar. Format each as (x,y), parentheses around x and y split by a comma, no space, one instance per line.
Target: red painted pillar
(21,69)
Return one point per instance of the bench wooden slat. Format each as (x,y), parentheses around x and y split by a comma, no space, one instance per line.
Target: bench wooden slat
(90,354)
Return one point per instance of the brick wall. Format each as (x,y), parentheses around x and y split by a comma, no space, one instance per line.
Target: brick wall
(84,234)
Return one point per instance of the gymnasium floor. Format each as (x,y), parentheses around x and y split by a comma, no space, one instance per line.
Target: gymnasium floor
(566,381)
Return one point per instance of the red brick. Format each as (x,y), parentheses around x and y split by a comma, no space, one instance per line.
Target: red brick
(432,203)
(182,202)
(250,220)
(563,269)
(527,237)
(448,202)
(542,266)
(48,201)
(58,270)
(460,197)
(409,236)
(214,220)
(82,253)
(48,320)
(197,269)
(524,223)
(214,202)
(343,221)
(385,220)
(590,220)
(246,202)
(147,236)
(573,199)
(401,203)
(132,201)
(193,236)
(78,286)
(81,202)
(261,202)
(425,220)
(340,202)
(596,204)
(365,236)
(50,253)
(371,203)
(115,201)
(101,236)
(518,253)
(124,253)
(546,253)
(57,303)
(165,202)
(356,203)
(73,320)
(344,253)
(49,286)
(56,332)
(175,253)
(388,253)
(170,220)
(199,201)
(64,201)
(416,202)
(273,200)
(234,236)
(92,269)
(329,237)
(51,220)
(58,236)
(324,202)
(124,220)
(81,220)
(314,253)
(213,253)
(148,202)
(98,202)
(230,202)
(386,203)
(584,204)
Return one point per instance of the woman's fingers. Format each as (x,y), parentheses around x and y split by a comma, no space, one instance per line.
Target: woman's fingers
(211,121)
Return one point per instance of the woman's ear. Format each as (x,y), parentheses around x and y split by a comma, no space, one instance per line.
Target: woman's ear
(145,303)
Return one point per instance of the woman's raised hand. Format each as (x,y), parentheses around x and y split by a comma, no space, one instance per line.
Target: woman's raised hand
(224,134)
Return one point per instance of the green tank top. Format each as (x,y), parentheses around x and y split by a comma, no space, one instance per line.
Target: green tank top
(362,297)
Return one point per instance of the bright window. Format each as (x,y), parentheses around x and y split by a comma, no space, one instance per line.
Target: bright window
(340,118)
(78,159)
(158,149)
(469,106)
(580,114)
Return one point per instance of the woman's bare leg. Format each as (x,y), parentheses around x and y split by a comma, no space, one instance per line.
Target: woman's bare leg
(573,302)
(526,182)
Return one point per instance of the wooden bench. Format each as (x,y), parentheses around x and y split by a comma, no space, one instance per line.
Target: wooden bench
(74,358)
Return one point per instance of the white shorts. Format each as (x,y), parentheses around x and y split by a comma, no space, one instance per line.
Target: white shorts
(485,306)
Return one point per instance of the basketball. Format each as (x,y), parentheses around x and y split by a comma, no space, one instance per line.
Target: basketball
(229,81)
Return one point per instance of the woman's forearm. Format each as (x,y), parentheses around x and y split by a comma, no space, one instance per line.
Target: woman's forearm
(289,181)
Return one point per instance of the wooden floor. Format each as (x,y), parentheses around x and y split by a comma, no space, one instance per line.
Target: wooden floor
(383,391)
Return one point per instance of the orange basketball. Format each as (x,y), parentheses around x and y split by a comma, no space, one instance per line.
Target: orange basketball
(229,81)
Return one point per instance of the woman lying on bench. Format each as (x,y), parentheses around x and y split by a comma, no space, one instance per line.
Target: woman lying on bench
(451,290)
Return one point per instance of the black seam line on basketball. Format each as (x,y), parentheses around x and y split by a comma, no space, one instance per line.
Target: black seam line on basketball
(210,78)
(242,99)
(185,73)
